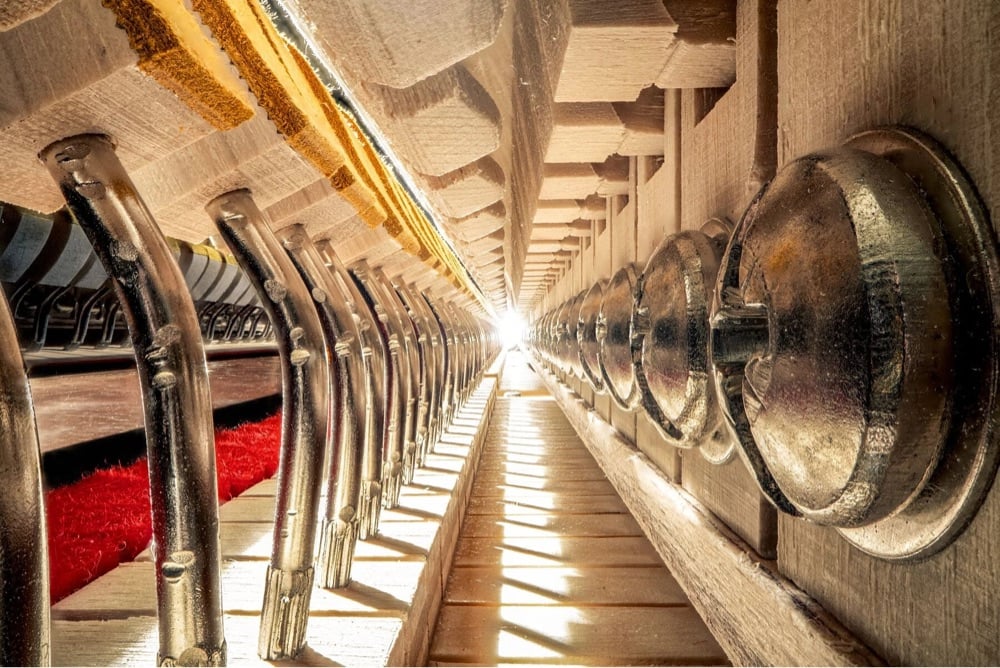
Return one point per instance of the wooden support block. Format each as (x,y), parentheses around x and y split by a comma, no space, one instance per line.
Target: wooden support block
(400,42)
(556,211)
(568,181)
(320,208)
(643,122)
(480,223)
(614,176)
(468,189)
(614,50)
(584,132)
(441,123)
(168,92)
(593,208)
(703,54)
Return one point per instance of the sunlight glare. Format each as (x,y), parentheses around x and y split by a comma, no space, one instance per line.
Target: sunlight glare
(511,329)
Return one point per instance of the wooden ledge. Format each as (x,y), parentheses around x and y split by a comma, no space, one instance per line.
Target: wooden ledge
(386,615)
(756,614)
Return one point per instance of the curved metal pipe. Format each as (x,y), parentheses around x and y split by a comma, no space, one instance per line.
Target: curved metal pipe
(437,353)
(377,434)
(173,377)
(427,370)
(399,382)
(410,335)
(446,398)
(25,627)
(299,335)
(348,399)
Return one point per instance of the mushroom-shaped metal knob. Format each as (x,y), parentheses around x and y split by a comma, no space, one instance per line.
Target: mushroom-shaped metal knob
(586,335)
(615,358)
(670,332)
(854,341)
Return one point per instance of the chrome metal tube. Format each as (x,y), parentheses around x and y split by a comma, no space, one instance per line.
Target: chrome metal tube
(399,382)
(305,408)
(427,367)
(436,367)
(25,627)
(412,414)
(348,407)
(377,433)
(173,377)
(447,364)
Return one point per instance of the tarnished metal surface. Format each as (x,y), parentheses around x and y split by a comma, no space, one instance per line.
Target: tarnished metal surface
(376,371)
(614,331)
(670,340)
(855,341)
(348,399)
(427,369)
(397,389)
(572,352)
(446,398)
(588,345)
(299,335)
(412,384)
(25,628)
(174,383)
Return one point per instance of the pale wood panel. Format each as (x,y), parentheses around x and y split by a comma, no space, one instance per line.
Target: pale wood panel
(576,635)
(584,132)
(533,503)
(931,65)
(547,526)
(726,157)
(615,49)
(552,586)
(576,551)
(400,43)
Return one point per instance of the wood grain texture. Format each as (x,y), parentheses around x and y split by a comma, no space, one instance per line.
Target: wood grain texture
(441,123)
(468,189)
(933,66)
(703,54)
(614,50)
(399,43)
(726,157)
(758,616)
(568,181)
(584,132)
(574,635)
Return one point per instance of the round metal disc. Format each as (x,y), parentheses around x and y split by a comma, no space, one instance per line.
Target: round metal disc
(670,328)
(615,357)
(850,357)
(573,343)
(956,487)
(586,335)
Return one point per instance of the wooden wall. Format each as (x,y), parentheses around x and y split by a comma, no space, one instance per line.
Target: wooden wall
(810,74)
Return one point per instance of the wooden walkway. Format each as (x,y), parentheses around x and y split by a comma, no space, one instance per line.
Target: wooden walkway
(550,566)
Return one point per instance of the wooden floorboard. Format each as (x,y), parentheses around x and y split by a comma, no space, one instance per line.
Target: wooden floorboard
(550,567)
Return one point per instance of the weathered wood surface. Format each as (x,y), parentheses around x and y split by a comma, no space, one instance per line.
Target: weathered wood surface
(399,43)
(758,616)
(726,157)
(550,570)
(931,65)
(383,617)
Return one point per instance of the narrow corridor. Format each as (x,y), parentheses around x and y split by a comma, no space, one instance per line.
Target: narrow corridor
(550,566)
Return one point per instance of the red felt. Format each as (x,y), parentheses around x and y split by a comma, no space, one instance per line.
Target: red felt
(104,519)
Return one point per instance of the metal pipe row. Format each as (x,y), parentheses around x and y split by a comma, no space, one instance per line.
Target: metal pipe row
(372,373)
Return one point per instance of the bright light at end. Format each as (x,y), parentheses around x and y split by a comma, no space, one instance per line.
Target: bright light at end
(511,329)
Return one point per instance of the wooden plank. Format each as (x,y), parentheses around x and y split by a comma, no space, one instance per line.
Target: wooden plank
(575,551)
(703,54)
(68,408)
(930,65)
(568,181)
(758,616)
(399,43)
(584,132)
(532,503)
(643,123)
(468,189)
(553,586)
(550,525)
(614,50)
(602,635)
(441,123)
(15,12)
